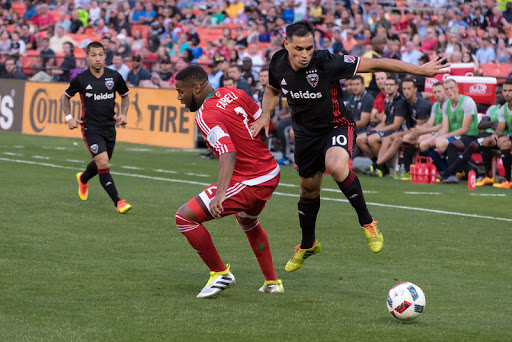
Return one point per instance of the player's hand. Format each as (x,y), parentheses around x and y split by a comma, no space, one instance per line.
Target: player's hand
(121,119)
(74,123)
(435,67)
(258,125)
(216,205)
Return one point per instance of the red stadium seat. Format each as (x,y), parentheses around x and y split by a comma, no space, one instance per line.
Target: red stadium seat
(19,7)
(490,69)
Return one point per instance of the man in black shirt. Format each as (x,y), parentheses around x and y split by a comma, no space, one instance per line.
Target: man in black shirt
(324,128)
(61,74)
(360,104)
(12,71)
(97,87)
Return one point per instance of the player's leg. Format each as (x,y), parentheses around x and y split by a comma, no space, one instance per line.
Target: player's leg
(337,155)
(505,149)
(362,143)
(388,151)
(408,144)
(375,142)
(189,218)
(449,175)
(91,170)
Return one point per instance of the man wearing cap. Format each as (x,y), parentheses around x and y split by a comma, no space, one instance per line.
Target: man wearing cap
(359,49)
(486,53)
(218,67)
(138,73)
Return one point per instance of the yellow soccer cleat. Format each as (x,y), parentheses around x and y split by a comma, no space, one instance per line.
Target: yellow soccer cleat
(485,181)
(272,286)
(123,207)
(218,282)
(373,236)
(300,255)
(83,189)
(503,185)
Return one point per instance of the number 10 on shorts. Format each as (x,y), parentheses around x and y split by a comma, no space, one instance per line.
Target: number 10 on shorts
(339,140)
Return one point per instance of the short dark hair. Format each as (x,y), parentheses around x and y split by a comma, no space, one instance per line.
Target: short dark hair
(508,81)
(229,78)
(301,28)
(437,84)
(192,73)
(94,45)
(357,78)
(234,65)
(395,81)
(411,80)
(265,68)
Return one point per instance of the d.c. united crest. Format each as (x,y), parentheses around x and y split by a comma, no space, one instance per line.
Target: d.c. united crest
(312,78)
(109,84)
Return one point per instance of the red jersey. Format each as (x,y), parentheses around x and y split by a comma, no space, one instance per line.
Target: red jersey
(380,102)
(224,121)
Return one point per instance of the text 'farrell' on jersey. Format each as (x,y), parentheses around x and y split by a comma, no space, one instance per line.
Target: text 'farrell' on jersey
(98,96)
(224,121)
(314,93)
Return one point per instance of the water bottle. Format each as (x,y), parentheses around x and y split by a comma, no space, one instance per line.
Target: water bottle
(471,180)
(396,174)
(402,171)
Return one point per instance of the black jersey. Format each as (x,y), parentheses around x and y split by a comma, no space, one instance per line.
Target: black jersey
(420,110)
(98,96)
(314,93)
(397,106)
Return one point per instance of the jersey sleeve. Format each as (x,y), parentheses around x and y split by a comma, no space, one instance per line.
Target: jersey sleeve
(73,87)
(272,74)
(121,88)
(339,67)
(469,106)
(211,126)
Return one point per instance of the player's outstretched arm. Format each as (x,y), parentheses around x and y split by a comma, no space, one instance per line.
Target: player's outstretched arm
(269,102)
(125,104)
(66,108)
(226,167)
(429,69)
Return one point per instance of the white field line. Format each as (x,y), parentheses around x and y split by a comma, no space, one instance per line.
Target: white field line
(422,193)
(164,171)
(13,154)
(489,195)
(276,193)
(196,174)
(41,157)
(74,161)
(132,167)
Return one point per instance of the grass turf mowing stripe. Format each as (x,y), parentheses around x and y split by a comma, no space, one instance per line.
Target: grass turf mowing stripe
(276,193)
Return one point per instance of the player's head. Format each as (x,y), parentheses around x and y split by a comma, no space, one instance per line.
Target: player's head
(409,89)
(95,55)
(507,90)
(391,86)
(380,79)
(300,44)
(451,89)
(357,84)
(192,86)
(438,92)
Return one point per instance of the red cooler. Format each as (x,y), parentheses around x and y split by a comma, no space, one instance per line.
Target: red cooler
(480,89)
(457,69)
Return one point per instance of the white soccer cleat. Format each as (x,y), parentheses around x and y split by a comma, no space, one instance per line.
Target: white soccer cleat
(218,281)
(272,286)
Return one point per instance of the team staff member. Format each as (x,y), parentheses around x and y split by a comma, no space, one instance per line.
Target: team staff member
(324,128)
(248,176)
(97,87)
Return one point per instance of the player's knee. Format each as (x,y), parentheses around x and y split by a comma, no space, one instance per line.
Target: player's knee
(185,224)
(246,223)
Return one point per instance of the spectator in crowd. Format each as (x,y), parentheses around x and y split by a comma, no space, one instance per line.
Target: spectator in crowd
(359,49)
(137,14)
(46,56)
(58,40)
(235,72)
(17,47)
(317,12)
(123,47)
(507,14)
(43,18)
(100,28)
(12,71)
(121,23)
(502,52)
(109,54)
(486,53)
(5,42)
(77,26)
(161,78)
(62,73)
(27,37)
(254,54)
(119,66)
(219,68)
(138,73)
(178,66)
(63,22)
(378,44)
(229,82)
(411,54)
(247,73)
(429,43)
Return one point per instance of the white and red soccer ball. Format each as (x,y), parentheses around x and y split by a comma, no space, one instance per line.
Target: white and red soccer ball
(406,301)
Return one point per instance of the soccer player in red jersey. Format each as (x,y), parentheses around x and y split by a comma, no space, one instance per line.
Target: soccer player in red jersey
(248,175)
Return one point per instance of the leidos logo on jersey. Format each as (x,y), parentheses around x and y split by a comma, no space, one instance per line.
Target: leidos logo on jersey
(103,96)
(305,95)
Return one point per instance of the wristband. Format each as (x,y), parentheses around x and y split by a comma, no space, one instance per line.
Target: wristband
(69,117)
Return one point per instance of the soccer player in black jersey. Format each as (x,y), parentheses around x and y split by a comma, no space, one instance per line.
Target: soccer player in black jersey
(324,128)
(97,87)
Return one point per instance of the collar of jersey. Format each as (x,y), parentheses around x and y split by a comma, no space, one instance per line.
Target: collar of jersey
(207,97)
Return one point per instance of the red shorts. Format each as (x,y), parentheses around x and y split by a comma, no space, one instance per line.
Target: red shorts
(246,201)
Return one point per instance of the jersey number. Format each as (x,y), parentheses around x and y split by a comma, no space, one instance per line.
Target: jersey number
(240,110)
(339,140)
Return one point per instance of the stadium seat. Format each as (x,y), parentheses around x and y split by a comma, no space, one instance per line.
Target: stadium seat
(490,69)
(19,7)
(504,69)
(28,61)
(143,29)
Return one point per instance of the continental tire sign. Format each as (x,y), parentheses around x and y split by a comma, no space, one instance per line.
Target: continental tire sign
(155,116)
(11,105)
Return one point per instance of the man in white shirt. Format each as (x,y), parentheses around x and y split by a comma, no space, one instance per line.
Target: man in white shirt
(119,66)
(411,55)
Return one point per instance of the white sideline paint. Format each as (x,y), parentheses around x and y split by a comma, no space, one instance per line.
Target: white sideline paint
(196,174)
(13,154)
(325,189)
(132,167)
(139,149)
(74,161)
(489,195)
(164,171)
(41,157)
(276,193)
(422,193)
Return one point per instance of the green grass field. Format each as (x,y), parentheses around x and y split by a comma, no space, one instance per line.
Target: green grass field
(79,271)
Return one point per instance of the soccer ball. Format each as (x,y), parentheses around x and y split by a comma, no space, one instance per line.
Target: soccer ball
(406,301)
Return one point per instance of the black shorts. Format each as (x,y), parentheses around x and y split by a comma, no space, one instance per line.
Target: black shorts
(99,140)
(382,134)
(310,150)
(465,139)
